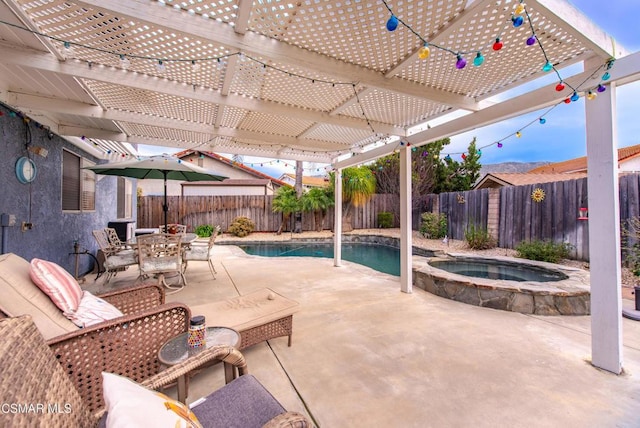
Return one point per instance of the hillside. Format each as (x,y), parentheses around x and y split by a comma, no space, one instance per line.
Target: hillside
(510,167)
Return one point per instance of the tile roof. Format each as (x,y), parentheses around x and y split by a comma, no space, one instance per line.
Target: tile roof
(234,164)
(311,180)
(492,180)
(580,164)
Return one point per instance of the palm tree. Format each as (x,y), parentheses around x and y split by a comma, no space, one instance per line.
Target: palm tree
(358,185)
(317,200)
(285,202)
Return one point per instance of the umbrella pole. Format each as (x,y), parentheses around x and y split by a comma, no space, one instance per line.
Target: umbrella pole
(165,207)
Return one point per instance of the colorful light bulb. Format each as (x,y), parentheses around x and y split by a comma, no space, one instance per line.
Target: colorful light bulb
(424,51)
(532,40)
(606,76)
(478,60)
(464,156)
(498,44)
(567,100)
(517,21)
(499,145)
(601,88)
(542,121)
(447,157)
(560,87)
(124,62)
(591,95)
(518,134)
(392,23)
(519,9)
(479,152)
(461,62)
(547,67)
(575,96)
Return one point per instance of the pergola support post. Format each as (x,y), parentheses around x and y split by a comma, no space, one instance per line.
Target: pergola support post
(406,241)
(604,232)
(337,221)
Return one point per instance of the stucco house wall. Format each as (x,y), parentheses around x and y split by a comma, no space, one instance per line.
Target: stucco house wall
(54,231)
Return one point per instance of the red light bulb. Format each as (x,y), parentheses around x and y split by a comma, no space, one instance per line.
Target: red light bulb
(560,87)
(497,45)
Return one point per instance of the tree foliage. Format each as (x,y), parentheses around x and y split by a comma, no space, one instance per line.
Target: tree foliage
(454,176)
(286,202)
(430,173)
(358,185)
(318,201)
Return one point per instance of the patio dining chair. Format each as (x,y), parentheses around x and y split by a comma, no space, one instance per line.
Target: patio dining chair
(116,257)
(114,239)
(32,379)
(200,251)
(160,255)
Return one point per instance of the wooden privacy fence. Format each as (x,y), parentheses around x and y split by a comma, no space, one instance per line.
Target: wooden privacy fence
(508,213)
(196,210)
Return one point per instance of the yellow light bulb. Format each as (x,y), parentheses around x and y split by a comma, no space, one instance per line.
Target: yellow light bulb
(424,52)
(591,96)
(518,134)
(519,9)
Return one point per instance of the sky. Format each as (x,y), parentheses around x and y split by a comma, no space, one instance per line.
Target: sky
(562,137)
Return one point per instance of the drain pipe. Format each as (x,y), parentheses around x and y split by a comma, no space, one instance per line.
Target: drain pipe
(6,220)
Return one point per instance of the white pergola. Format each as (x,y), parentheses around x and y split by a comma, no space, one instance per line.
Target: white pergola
(319,81)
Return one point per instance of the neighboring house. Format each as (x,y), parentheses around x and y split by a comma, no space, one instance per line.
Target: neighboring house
(58,201)
(308,182)
(628,161)
(501,179)
(255,182)
(228,187)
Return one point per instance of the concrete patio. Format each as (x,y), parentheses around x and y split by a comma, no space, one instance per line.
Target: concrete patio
(365,354)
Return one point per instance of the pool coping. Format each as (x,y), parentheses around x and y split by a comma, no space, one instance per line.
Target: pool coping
(569,296)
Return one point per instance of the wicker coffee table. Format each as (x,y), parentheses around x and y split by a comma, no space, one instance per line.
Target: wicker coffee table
(177,350)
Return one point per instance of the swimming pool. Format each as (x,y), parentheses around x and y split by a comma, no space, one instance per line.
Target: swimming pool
(382,258)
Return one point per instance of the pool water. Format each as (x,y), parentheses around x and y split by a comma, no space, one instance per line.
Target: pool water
(498,270)
(382,258)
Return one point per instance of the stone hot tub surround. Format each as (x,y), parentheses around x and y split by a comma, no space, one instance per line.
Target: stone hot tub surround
(570,296)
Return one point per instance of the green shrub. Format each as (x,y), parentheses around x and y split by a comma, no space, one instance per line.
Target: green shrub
(242,226)
(385,220)
(633,259)
(204,230)
(479,238)
(433,225)
(544,251)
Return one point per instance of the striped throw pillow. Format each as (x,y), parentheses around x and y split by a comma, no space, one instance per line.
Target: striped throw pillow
(57,283)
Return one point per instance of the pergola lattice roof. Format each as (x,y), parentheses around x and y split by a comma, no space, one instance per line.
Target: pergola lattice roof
(306,80)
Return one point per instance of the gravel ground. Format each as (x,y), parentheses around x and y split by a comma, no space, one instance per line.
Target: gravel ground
(628,279)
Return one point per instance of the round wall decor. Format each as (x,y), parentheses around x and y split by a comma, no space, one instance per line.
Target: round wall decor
(25,170)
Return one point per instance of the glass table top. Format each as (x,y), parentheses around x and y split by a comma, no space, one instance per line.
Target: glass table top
(177,350)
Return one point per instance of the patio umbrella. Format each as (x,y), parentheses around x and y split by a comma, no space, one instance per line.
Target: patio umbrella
(163,167)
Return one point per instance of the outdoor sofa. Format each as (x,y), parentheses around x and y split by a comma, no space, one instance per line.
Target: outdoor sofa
(129,344)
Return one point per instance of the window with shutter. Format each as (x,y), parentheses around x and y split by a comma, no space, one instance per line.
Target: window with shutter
(125,189)
(78,185)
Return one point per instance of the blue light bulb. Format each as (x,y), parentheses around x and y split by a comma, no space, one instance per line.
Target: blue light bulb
(542,121)
(575,97)
(606,76)
(547,67)
(392,23)
(517,21)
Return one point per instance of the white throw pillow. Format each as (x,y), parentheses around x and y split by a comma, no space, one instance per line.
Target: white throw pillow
(132,405)
(93,310)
